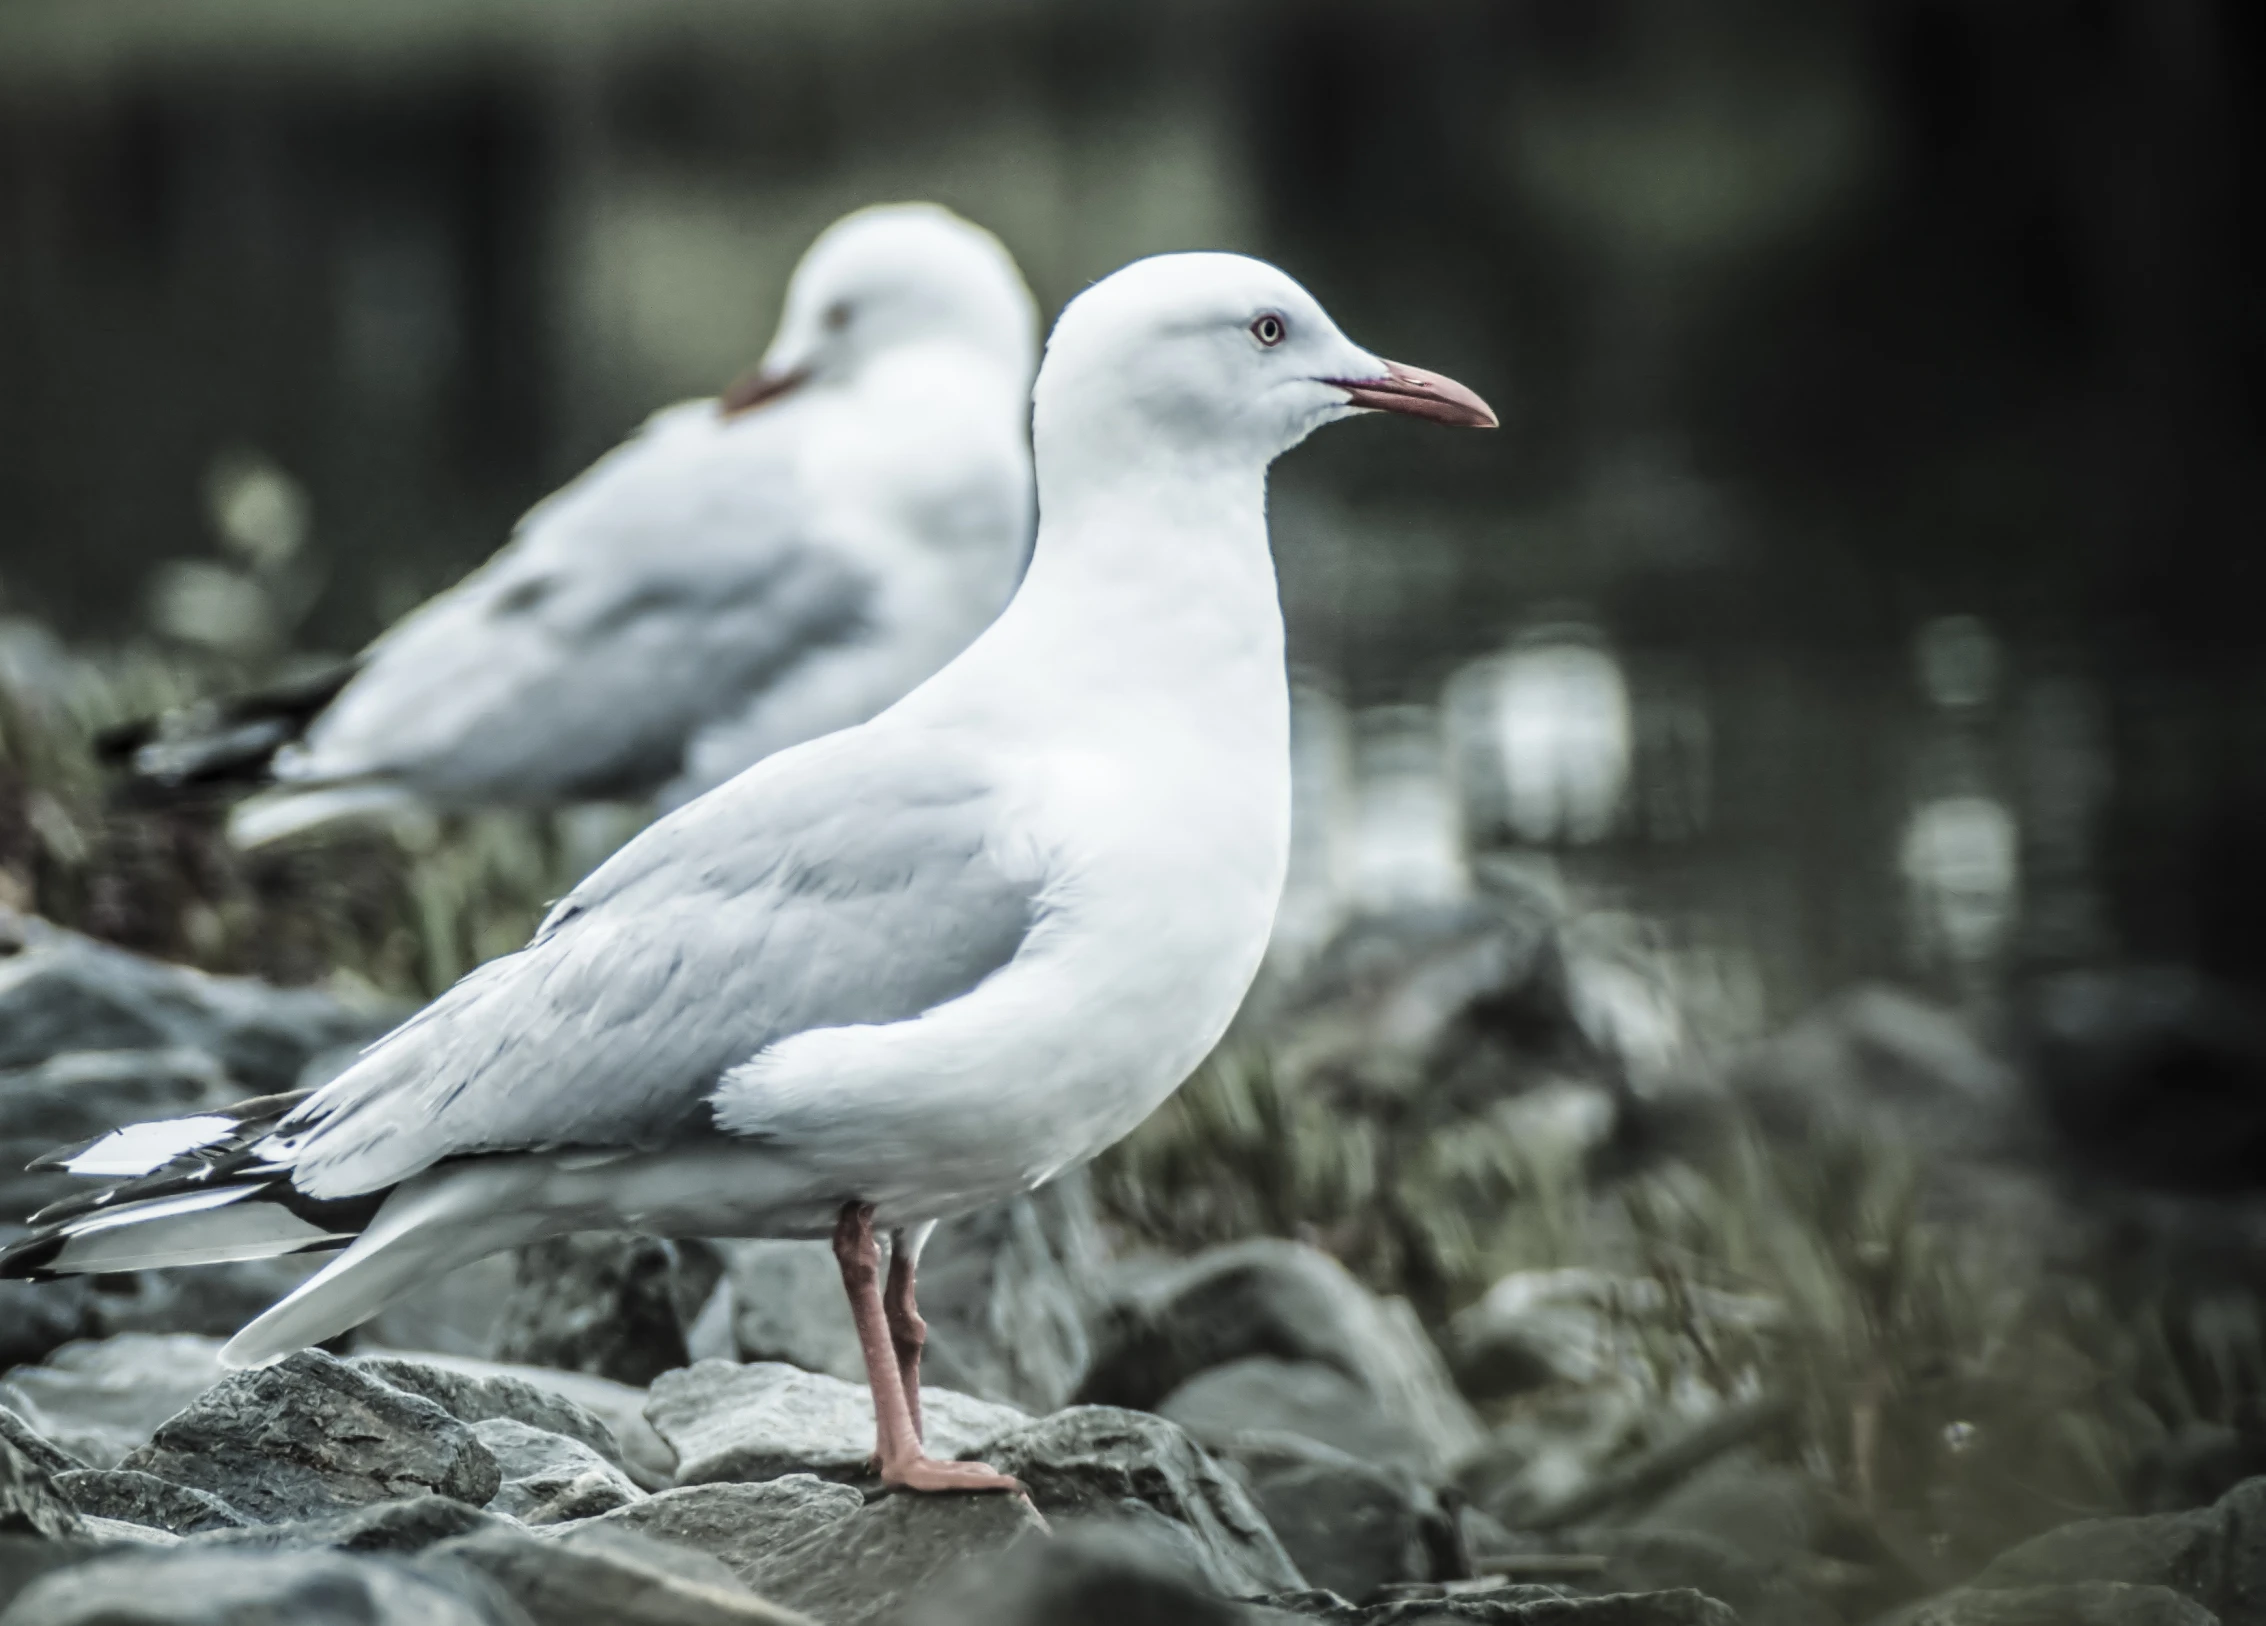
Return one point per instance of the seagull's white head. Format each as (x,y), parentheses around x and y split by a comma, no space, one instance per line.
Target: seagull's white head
(894,275)
(1215,358)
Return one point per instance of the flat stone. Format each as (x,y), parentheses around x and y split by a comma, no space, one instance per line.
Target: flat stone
(191,1586)
(1101,1462)
(100,1400)
(618,1406)
(1159,1329)
(408,1525)
(741,1525)
(473,1397)
(144,1499)
(1268,1394)
(2215,1555)
(1513,1606)
(546,1473)
(30,1505)
(767,1419)
(1350,1526)
(560,1585)
(310,1435)
(864,1568)
(1106,1573)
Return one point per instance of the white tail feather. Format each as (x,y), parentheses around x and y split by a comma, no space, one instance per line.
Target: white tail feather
(199,1228)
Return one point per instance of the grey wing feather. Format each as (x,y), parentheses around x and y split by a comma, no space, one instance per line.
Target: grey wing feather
(676,577)
(831,886)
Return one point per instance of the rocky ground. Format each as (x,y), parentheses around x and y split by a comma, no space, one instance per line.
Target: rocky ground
(619,1429)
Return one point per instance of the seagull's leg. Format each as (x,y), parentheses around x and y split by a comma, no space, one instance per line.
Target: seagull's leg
(895,1442)
(906,1328)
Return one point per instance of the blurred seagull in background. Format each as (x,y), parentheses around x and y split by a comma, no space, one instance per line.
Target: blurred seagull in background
(745,573)
(884,977)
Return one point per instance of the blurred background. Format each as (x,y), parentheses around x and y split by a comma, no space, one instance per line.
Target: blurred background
(1844,659)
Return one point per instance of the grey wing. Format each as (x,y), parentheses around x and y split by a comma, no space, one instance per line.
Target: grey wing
(678,576)
(836,884)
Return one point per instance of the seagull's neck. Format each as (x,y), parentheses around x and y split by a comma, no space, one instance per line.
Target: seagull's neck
(1151,596)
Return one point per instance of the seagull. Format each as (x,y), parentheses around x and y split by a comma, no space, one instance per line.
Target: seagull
(744,574)
(883,977)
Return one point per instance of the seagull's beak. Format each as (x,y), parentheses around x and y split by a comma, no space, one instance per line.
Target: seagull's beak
(1418,394)
(758,387)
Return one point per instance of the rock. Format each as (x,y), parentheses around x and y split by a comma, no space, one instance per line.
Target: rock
(99,1400)
(740,1525)
(200,1587)
(546,1474)
(24,1559)
(1004,1293)
(122,1532)
(1350,1526)
(30,1505)
(787,1305)
(2196,1464)
(36,1317)
(1515,1606)
(864,1568)
(311,1435)
(1102,1462)
(648,1552)
(408,1525)
(767,1419)
(2214,1555)
(619,1407)
(478,1397)
(137,1498)
(610,1303)
(1265,1394)
(1536,1327)
(43,1452)
(557,1585)
(2088,1603)
(65,992)
(1095,1575)
(1270,1297)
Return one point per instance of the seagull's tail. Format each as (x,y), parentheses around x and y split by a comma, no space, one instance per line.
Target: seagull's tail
(187,1191)
(217,748)
(278,814)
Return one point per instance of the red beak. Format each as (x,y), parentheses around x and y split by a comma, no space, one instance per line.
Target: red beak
(756,388)
(1419,394)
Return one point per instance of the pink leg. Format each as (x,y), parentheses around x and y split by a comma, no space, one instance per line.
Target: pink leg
(907,1331)
(897,1444)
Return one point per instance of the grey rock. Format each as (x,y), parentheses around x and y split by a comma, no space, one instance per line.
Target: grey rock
(740,1525)
(2085,1603)
(1267,1394)
(559,1585)
(1283,1299)
(1763,1591)
(408,1525)
(311,1435)
(617,1407)
(16,1429)
(2214,1555)
(200,1587)
(35,1317)
(866,1567)
(65,992)
(1350,1526)
(1093,1574)
(24,1559)
(614,1304)
(1101,1462)
(650,1552)
(787,1306)
(122,1532)
(99,1400)
(767,1419)
(1516,1606)
(137,1498)
(30,1505)
(545,1474)
(477,1397)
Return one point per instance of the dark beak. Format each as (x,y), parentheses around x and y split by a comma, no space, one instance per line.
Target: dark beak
(1418,394)
(758,387)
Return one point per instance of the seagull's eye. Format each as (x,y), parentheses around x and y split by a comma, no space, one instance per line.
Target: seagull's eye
(837,317)
(1269,330)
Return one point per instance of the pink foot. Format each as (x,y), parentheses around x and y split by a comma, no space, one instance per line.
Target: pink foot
(928,1474)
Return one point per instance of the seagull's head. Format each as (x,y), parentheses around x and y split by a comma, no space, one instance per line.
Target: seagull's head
(1217,356)
(887,277)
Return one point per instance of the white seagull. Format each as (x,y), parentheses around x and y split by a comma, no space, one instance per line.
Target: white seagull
(883,977)
(744,574)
